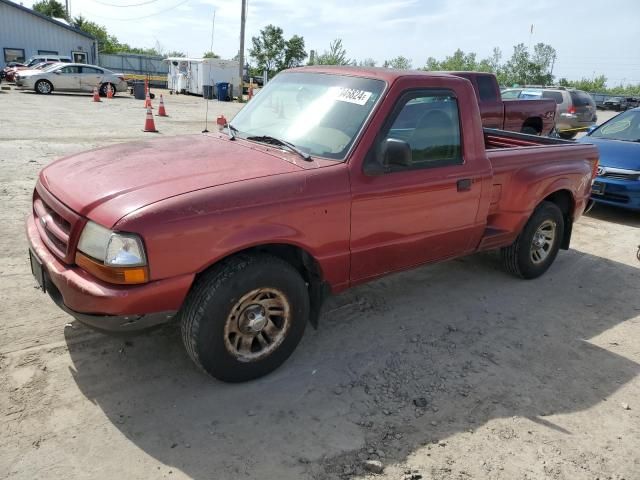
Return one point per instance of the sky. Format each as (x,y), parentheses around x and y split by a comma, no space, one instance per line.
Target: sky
(590,37)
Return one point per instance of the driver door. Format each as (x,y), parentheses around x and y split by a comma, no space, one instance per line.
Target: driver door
(67,78)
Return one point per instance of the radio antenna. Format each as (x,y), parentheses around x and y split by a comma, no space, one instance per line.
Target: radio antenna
(206,114)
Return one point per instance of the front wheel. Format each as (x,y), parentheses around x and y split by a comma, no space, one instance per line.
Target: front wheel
(44,87)
(245,317)
(537,246)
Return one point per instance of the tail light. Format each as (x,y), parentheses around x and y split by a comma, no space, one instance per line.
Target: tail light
(571,109)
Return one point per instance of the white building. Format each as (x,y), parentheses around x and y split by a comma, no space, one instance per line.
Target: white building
(25,33)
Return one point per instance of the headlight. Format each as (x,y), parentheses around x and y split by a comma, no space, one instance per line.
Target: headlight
(112,256)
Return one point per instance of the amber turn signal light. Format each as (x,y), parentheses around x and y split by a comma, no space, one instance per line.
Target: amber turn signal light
(117,275)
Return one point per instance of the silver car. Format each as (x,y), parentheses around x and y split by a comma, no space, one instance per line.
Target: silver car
(71,77)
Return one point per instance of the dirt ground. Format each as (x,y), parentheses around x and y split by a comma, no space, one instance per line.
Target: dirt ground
(453,371)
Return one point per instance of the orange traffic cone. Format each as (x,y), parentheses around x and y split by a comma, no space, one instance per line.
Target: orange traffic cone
(161,111)
(109,91)
(147,101)
(96,95)
(149,125)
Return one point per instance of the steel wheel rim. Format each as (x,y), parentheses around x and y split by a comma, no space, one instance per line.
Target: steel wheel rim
(257,324)
(43,87)
(542,242)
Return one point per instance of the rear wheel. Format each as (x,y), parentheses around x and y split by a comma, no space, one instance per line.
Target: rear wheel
(105,87)
(44,87)
(245,317)
(537,246)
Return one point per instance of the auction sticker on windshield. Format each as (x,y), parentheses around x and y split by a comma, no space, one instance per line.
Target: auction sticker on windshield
(351,95)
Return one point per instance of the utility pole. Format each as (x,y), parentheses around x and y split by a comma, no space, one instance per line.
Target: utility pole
(243,19)
(66,5)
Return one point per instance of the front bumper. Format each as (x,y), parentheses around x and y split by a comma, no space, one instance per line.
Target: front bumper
(619,193)
(101,305)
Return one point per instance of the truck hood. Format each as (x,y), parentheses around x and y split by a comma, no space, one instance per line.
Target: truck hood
(109,183)
(616,153)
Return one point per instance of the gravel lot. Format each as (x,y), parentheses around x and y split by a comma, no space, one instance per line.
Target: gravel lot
(451,371)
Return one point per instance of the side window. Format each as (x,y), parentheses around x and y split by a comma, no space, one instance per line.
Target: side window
(91,70)
(70,69)
(429,123)
(486,88)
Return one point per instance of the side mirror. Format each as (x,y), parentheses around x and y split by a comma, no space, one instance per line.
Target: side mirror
(392,151)
(396,152)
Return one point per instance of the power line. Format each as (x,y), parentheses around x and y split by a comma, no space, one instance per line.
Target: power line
(125,6)
(146,16)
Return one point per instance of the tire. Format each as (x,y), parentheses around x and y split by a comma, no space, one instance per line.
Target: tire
(217,315)
(44,87)
(525,257)
(103,89)
(530,130)
(567,135)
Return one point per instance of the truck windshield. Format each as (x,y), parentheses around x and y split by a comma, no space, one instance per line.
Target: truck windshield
(319,113)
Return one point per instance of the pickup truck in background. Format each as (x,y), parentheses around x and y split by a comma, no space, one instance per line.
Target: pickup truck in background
(329,178)
(536,117)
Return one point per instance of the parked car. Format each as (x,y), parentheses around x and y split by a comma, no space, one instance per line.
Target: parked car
(32,62)
(599,99)
(510,93)
(535,118)
(71,77)
(633,102)
(618,181)
(331,177)
(619,104)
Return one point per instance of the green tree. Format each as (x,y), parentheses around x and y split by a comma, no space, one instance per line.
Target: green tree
(208,54)
(268,48)
(294,53)
(367,62)
(51,8)
(399,63)
(459,61)
(106,43)
(524,68)
(174,53)
(336,55)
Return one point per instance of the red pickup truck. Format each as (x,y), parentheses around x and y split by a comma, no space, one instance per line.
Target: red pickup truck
(536,117)
(329,178)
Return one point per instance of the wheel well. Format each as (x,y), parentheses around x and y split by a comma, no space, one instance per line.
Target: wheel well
(305,264)
(564,201)
(533,122)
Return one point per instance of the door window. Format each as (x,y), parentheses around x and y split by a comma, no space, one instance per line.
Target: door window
(429,123)
(70,69)
(91,70)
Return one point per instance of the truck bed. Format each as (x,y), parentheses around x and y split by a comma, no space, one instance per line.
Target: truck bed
(525,164)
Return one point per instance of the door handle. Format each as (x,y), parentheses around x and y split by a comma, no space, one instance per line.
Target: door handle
(464,184)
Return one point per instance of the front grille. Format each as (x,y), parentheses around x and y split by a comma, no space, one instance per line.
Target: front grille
(55,224)
(621,176)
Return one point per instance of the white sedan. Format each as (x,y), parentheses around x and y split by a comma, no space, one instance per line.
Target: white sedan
(71,77)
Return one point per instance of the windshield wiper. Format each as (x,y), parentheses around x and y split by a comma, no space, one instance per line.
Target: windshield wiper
(277,141)
(232,130)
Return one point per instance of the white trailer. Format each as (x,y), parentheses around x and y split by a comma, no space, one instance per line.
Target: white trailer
(191,75)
